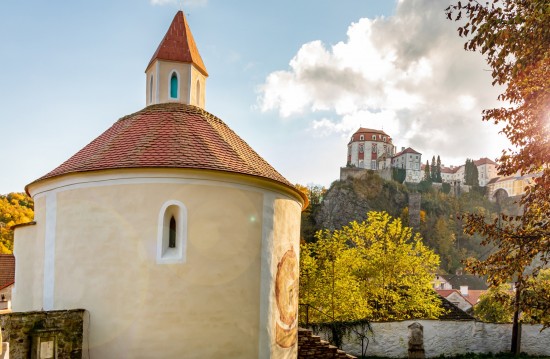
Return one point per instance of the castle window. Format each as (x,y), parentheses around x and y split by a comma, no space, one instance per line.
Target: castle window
(361,148)
(384,138)
(172,233)
(174,85)
(374,137)
(361,138)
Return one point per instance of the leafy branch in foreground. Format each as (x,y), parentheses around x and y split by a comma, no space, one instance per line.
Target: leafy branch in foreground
(514,36)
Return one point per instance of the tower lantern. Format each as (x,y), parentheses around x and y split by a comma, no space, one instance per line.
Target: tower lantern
(176,72)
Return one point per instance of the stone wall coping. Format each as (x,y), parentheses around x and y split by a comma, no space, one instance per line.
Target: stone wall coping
(17,314)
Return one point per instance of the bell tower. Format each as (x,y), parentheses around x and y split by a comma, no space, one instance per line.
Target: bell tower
(176,72)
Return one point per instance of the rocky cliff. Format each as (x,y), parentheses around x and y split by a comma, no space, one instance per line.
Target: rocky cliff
(351,199)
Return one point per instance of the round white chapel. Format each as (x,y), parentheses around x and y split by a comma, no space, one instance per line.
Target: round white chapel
(177,238)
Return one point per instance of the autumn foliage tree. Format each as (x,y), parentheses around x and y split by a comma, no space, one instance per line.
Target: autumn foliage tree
(15,208)
(376,269)
(514,36)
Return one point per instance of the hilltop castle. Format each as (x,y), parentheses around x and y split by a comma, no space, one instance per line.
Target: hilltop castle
(374,150)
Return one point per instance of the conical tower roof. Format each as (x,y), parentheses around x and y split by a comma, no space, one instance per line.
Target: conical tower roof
(179,45)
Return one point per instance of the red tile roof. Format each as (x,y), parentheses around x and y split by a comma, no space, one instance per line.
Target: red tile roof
(484,161)
(170,135)
(473,295)
(7,270)
(446,292)
(367,135)
(407,150)
(179,45)
(449,170)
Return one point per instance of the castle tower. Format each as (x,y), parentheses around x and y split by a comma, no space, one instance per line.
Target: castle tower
(176,72)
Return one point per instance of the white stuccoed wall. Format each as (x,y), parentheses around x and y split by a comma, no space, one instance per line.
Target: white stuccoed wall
(450,337)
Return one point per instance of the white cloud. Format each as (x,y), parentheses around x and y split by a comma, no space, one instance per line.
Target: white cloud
(408,73)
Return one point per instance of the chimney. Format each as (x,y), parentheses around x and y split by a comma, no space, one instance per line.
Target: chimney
(464,290)
(402,149)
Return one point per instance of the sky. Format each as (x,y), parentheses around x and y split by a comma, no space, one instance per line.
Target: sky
(294,79)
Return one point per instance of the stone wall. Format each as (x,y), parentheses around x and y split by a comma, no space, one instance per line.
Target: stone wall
(19,329)
(449,338)
(351,172)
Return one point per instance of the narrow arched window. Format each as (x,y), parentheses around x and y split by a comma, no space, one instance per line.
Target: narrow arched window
(172,234)
(174,85)
(198,93)
(151,89)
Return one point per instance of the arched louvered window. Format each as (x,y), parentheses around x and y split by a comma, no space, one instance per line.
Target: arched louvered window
(174,85)
(172,233)
(151,89)
(198,93)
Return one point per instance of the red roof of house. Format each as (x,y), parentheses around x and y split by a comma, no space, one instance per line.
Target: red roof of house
(407,150)
(449,170)
(484,161)
(7,270)
(170,135)
(446,292)
(473,295)
(179,45)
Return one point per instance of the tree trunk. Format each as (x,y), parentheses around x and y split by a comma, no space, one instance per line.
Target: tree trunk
(516,335)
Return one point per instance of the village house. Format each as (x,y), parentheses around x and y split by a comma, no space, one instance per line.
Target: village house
(7,280)
(509,186)
(463,290)
(486,170)
(411,161)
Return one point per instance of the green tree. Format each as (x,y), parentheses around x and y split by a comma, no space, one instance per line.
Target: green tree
(433,171)
(496,305)
(427,176)
(327,280)
(536,297)
(471,174)
(399,174)
(375,269)
(15,208)
(438,178)
(514,36)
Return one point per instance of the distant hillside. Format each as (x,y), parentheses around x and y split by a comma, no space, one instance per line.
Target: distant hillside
(440,223)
